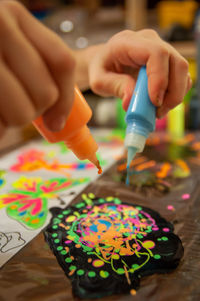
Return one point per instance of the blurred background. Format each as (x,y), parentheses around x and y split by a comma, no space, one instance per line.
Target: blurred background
(81,23)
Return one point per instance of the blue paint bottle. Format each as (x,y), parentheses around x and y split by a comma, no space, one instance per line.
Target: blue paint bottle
(140,118)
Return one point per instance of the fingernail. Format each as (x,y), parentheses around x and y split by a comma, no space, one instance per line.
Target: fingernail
(57,124)
(160,98)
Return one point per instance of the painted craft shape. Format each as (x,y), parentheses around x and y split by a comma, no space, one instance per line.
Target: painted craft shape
(105,245)
(33,160)
(10,241)
(27,201)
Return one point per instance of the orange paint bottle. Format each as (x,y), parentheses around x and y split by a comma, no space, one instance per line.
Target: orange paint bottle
(75,133)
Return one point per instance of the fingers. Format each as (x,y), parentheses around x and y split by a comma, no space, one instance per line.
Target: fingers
(60,62)
(179,83)
(29,68)
(14,100)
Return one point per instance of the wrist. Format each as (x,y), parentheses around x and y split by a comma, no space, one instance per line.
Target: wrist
(83,58)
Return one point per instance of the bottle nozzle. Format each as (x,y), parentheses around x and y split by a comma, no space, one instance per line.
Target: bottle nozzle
(96,162)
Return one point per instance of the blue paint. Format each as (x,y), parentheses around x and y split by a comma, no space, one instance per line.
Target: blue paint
(108,224)
(41,214)
(93,228)
(140,118)
(22,213)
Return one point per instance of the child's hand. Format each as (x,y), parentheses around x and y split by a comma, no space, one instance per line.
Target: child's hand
(114,68)
(36,70)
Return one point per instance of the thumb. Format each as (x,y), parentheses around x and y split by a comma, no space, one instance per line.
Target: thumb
(114,84)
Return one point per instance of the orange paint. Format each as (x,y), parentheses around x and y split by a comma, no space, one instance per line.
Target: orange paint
(163,172)
(133,292)
(145,165)
(35,221)
(75,133)
(133,163)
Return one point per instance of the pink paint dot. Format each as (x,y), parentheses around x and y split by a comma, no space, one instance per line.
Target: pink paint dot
(171,208)
(166,229)
(185,196)
(155,228)
(68,241)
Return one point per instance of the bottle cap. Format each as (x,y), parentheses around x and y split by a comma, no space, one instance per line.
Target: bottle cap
(135,140)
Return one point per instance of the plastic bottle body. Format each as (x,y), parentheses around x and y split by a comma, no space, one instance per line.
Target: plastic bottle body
(141,114)
(75,133)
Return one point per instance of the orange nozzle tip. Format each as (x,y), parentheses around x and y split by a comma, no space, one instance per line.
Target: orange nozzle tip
(96,162)
(99,167)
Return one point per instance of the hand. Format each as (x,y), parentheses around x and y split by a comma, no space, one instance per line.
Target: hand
(36,70)
(114,68)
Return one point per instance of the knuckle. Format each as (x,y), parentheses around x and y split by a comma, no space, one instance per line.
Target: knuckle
(96,85)
(162,52)
(149,33)
(21,119)
(50,96)
(12,5)
(183,65)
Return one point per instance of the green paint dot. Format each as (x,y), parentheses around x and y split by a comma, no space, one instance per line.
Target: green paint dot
(54,235)
(135,266)
(80,205)
(91,274)
(55,227)
(120,271)
(104,274)
(59,248)
(60,216)
(139,235)
(68,259)
(101,201)
(56,241)
(80,272)
(56,221)
(157,256)
(72,267)
(63,252)
(66,211)
(138,207)
(164,238)
(117,201)
(159,239)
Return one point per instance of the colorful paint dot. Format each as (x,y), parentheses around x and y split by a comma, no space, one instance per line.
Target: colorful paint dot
(157,256)
(166,229)
(55,227)
(80,272)
(68,260)
(139,235)
(66,212)
(164,238)
(60,216)
(120,271)
(115,256)
(133,292)
(80,205)
(91,274)
(171,208)
(98,263)
(56,241)
(89,260)
(54,235)
(72,267)
(70,218)
(148,244)
(185,196)
(135,266)
(104,274)
(63,252)
(59,248)
(78,246)
(68,241)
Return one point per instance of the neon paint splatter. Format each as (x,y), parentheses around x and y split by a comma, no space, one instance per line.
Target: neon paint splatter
(171,208)
(33,160)
(27,202)
(112,241)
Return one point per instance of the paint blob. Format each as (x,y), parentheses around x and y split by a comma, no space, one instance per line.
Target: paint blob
(110,245)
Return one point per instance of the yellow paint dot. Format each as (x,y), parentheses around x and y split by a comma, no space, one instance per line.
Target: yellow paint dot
(98,263)
(71,218)
(148,244)
(115,256)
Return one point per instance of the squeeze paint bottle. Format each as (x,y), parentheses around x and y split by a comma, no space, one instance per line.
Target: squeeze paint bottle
(75,133)
(140,118)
